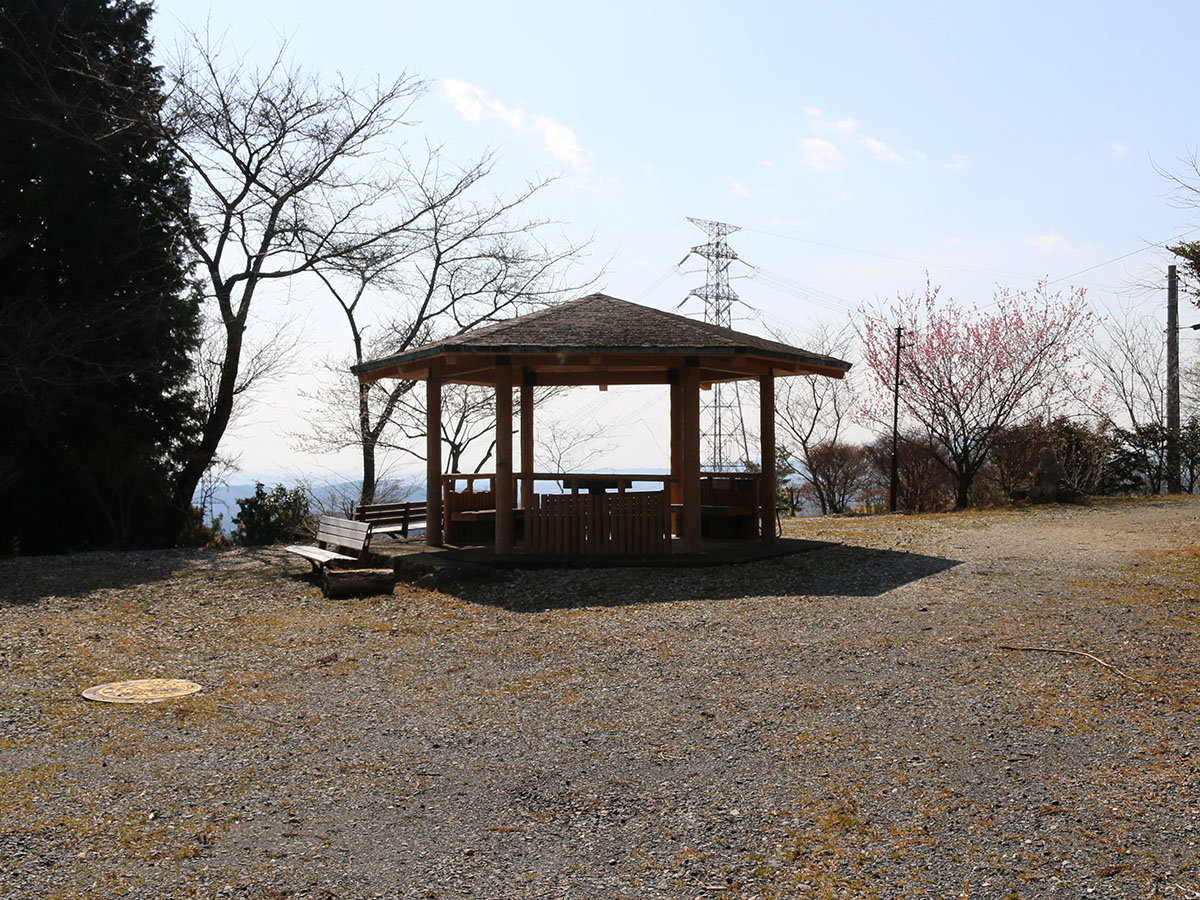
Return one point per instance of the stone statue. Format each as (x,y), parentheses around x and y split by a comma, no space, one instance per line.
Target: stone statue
(1048,483)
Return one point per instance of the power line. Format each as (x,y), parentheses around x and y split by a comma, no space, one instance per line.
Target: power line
(1157,246)
(976,269)
(798,289)
(658,281)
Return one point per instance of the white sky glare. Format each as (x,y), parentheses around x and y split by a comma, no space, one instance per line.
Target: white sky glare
(857,145)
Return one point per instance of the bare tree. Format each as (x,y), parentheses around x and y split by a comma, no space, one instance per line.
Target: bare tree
(563,446)
(811,410)
(468,423)
(836,474)
(1184,181)
(925,484)
(457,263)
(286,176)
(215,478)
(1131,358)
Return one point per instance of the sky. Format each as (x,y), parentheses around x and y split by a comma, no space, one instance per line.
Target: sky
(857,147)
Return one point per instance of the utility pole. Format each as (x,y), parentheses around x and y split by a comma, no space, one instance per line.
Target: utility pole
(895,490)
(1173,483)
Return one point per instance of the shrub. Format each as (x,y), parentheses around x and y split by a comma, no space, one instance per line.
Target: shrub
(266,518)
(196,534)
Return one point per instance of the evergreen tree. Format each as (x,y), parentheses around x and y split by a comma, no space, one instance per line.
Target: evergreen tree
(98,314)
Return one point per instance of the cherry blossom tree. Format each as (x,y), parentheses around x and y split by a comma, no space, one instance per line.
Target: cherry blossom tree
(967,373)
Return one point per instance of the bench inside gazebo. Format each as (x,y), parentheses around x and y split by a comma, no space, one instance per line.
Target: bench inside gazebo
(599,341)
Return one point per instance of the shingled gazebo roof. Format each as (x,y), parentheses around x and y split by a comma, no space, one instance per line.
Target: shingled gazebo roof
(601,340)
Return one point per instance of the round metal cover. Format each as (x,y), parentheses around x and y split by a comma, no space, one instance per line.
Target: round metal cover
(144,690)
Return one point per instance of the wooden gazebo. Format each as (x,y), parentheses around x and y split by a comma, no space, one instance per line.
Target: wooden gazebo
(600,340)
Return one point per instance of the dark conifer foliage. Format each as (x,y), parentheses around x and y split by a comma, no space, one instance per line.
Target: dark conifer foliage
(98,315)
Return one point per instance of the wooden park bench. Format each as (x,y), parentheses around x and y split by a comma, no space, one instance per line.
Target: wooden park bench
(344,534)
(394,519)
(342,573)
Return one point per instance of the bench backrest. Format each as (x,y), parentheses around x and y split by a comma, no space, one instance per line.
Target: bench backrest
(343,533)
(392,512)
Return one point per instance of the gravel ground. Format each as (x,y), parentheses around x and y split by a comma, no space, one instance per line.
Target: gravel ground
(841,723)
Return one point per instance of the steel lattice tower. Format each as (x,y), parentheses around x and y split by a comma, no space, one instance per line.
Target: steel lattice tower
(723,431)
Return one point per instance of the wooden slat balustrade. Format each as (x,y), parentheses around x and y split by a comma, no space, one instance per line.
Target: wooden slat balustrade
(631,523)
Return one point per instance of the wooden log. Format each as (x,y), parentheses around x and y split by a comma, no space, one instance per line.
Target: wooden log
(348,582)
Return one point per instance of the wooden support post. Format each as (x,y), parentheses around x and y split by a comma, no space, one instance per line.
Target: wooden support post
(676,441)
(504,457)
(690,397)
(766,426)
(433,460)
(526,444)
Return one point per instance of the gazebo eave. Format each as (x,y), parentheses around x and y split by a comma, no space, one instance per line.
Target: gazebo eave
(592,365)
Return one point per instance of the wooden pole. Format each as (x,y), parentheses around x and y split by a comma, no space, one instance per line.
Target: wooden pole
(766,426)
(1174,486)
(894,489)
(504,457)
(676,486)
(690,396)
(526,444)
(433,460)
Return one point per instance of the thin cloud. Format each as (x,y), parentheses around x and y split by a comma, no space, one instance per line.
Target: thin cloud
(474,105)
(1118,147)
(880,150)
(739,190)
(1053,243)
(959,161)
(561,142)
(843,127)
(819,155)
(846,129)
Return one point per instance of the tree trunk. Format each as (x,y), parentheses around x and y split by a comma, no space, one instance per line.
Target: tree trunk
(963,498)
(368,444)
(198,459)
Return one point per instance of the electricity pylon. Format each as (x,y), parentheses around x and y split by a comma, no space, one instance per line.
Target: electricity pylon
(722,427)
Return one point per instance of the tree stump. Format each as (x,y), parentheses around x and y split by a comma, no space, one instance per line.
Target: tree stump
(348,582)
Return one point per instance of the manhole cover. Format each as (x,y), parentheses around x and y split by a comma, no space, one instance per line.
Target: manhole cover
(144,690)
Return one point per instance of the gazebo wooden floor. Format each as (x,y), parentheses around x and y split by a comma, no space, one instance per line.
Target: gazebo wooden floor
(419,557)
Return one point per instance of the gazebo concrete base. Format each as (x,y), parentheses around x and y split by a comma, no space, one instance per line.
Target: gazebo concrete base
(413,560)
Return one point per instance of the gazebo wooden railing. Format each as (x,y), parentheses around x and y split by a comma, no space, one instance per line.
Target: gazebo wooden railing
(600,513)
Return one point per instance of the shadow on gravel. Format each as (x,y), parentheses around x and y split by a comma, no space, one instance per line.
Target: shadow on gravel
(29,579)
(837,570)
